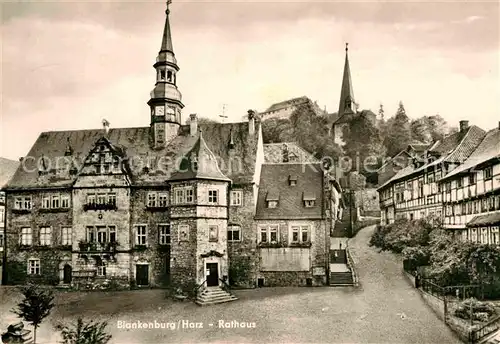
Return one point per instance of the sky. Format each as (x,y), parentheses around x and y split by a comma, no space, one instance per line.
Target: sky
(68,65)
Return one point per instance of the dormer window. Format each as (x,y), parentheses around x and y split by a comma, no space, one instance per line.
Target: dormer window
(272,199)
(309,199)
(292,180)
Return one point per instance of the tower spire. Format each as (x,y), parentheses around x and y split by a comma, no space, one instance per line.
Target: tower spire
(166,100)
(166,44)
(347,103)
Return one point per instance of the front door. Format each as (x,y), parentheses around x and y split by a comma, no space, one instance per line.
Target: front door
(213,274)
(142,274)
(67,274)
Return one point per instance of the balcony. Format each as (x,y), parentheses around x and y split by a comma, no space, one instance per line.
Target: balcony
(54,210)
(99,206)
(93,246)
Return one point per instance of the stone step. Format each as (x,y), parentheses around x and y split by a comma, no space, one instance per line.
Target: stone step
(208,303)
(219,298)
(213,295)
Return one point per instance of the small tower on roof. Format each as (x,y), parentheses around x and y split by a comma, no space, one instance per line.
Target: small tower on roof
(166,100)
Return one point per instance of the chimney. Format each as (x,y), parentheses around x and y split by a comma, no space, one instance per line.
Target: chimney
(251,122)
(193,124)
(463,126)
(105,125)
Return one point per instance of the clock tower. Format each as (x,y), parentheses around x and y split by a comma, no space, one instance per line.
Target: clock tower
(166,100)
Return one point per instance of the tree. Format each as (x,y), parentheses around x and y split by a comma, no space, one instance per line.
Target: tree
(438,127)
(398,133)
(84,332)
(36,306)
(363,144)
(420,130)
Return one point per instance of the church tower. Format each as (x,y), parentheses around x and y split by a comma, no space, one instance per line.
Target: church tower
(166,100)
(347,103)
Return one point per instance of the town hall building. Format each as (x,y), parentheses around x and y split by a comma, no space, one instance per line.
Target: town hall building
(166,203)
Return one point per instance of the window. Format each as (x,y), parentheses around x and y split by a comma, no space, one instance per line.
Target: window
(112,199)
(152,199)
(488,173)
(163,199)
(300,234)
(33,266)
(112,233)
(459,182)
(269,234)
(101,198)
(179,196)
(473,235)
(495,240)
(497,202)
(430,178)
(102,234)
(309,203)
(66,236)
(1,239)
(213,196)
(472,179)
(164,234)
(189,195)
(91,234)
(234,233)
(91,199)
(484,236)
(23,203)
(46,202)
(54,200)
(183,232)
(272,204)
(213,233)
(237,198)
(45,236)
(140,235)
(26,236)
(430,199)
(2,215)
(64,201)
(101,269)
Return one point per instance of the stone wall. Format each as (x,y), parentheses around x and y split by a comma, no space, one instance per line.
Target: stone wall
(243,257)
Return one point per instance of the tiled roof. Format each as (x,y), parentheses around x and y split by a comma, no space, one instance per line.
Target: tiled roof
(7,170)
(274,180)
(273,153)
(458,145)
(485,220)
(135,143)
(199,163)
(488,149)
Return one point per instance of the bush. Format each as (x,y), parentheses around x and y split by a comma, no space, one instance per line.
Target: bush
(481,311)
(416,256)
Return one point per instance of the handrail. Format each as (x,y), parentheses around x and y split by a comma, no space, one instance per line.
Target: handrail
(350,264)
(485,330)
(226,285)
(195,290)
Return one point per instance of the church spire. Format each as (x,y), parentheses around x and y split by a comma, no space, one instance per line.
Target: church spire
(347,103)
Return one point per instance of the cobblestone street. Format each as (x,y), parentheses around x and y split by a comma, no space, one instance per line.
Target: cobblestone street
(384,309)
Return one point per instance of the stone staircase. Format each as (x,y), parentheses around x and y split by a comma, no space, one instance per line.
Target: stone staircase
(492,339)
(214,295)
(339,279)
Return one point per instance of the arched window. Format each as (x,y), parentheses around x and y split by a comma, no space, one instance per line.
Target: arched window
(169,76)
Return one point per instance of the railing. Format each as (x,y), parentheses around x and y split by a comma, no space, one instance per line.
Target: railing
(350,264)
(225,286)
(100,206)
(431,288)
(93,246)
(476,335)
(197,288)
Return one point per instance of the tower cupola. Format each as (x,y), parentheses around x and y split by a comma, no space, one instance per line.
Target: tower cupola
(165,99)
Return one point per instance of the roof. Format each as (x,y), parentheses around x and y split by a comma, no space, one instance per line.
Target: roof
(199,163)
(416,146)
(287,103)
(485,220)
(458,145)
(274,180)
(488,149)
(7,169)
(273,153)
(166,43)
(135,144)
(346,91)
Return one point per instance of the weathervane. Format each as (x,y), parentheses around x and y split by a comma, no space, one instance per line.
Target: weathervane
(168,3)
(223,116)
(346,45)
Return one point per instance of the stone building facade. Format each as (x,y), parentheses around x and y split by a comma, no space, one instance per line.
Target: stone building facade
(155,205)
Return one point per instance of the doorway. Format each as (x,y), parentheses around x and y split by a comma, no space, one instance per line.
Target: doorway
(213,274)
(142,274)
(67,272)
